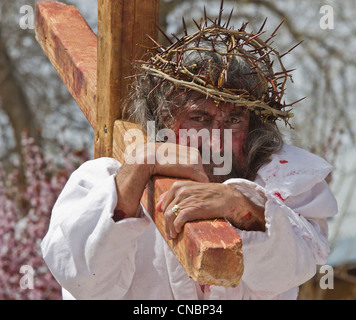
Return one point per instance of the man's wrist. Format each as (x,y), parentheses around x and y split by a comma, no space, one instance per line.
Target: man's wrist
(248,216)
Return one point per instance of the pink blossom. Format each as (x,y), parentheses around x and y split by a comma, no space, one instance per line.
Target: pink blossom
(26,202)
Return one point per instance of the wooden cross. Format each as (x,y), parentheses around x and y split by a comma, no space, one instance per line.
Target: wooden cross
(95,70)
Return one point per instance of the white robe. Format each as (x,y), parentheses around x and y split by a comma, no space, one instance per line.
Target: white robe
(93,257)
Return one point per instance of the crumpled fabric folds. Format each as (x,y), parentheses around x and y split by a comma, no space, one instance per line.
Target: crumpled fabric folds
(93,257)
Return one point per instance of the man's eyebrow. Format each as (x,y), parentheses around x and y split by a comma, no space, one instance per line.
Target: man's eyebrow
(238,114)
(198,111)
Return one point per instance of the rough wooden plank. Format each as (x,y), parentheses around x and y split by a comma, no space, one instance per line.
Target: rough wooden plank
(134,137)
(210,250)
(122,34)
(71,46)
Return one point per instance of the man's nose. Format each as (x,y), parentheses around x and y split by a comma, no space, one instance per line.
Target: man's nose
(217,138)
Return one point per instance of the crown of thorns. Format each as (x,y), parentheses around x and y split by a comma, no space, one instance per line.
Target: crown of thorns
(168,65)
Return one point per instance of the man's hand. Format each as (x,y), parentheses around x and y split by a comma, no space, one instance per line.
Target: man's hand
(173,160)
(199,201)
(156,159)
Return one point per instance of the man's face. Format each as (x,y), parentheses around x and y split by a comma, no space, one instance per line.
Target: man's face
(202,113)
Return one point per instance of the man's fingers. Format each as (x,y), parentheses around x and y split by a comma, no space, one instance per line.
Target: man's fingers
(174,194)
(186,215)
(173,197)
(174,160)
(169,217)
(192,172)
(160,201)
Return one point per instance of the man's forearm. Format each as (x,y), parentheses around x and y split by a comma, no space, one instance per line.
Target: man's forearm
(131,181)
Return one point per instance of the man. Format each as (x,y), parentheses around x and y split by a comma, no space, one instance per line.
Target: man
(101,243)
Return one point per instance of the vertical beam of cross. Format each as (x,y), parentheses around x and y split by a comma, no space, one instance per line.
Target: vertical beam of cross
(123,27)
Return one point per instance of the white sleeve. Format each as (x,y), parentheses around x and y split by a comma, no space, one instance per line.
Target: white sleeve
(286,254)
(89,254)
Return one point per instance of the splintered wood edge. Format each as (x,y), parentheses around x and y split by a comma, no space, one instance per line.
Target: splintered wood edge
(71,47)
(215,250)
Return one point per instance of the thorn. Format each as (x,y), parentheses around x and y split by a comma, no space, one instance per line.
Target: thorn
(220,12)
(212,21)
(176,37)
(144,62)
(198,43)
(164,34)
(155,42)
(259,84)
(184,27)
(265,54)
(279,78)
(291,49)
(263,25)
(230,16)
(274,32)
(205,17)
(254,37)
(202,68)
(156,86)
(213,43)
(198,26)
(257,49)
(284,72)
(179,95)
(243,27)
(293,103)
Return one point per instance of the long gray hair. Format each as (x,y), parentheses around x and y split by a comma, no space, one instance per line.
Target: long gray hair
(155,99)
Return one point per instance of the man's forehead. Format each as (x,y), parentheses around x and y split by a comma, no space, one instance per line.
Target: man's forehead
(207,105)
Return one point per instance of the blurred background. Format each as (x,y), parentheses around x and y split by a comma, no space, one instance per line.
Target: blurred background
(44,136)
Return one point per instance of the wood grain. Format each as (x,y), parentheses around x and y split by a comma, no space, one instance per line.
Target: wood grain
(71,46)
(123,27)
